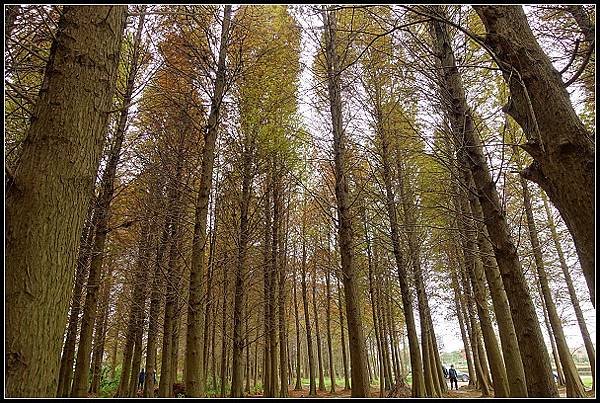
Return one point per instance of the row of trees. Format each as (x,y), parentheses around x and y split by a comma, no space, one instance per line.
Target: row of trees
(179,201)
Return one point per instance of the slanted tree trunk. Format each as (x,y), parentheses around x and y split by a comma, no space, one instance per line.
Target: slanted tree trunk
(562,149)
(421,383)
(574,385)
(66,363)
(559,371)
(538,371)
(587,341)
(56,173)
(461,321)
(100,333)
(194,385)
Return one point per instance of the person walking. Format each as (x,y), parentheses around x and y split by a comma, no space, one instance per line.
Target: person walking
(452,375)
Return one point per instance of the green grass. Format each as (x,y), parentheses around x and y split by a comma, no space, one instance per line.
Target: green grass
(587,380)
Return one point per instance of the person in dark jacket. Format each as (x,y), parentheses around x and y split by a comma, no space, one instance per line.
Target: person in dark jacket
(452,375)
(141,379)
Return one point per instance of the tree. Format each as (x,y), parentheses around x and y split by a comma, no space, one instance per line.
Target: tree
(56,174)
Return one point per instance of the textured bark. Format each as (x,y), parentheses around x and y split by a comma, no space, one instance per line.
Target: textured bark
(562,149)
(12,13)
(585,335)
(194,386)
(573,381)
(66,363)
(80,379)
(538,371)
(358,353)
(56,173)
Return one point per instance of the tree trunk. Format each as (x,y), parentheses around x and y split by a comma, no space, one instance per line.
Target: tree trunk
(317,330)
(574,385)
(358,354)
(100,334)
(343,337)
(559,371)
(562,149)
(56,173)
(328,321)
(538,371)
(194,386)
(66,363)
(298,385)
(587,341)
(309,349)
(240,272)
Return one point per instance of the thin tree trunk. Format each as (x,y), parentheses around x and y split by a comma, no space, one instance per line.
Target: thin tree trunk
(193,353)
(587,341)
(574,385)
(358,354)
(309,349)
(66,363)
(343,337)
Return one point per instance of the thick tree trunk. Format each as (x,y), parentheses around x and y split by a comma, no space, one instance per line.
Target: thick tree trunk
(587,341)
(194,386)
(574,385)
(538,371)
(56,173)
(358,354)
(562,149)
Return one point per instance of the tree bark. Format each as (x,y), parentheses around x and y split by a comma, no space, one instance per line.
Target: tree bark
(56,173)
(562,149)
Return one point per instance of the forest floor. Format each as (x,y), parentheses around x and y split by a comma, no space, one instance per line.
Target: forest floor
(462,392)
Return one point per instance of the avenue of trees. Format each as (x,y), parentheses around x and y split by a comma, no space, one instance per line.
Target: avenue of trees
(272,200)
